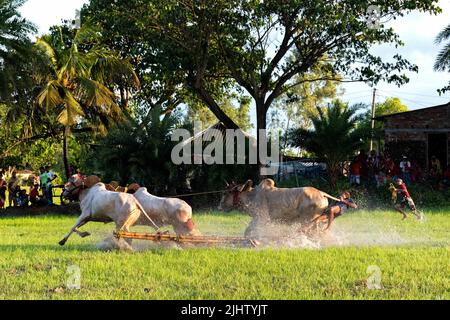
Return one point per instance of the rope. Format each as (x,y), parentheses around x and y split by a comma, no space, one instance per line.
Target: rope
(195,194)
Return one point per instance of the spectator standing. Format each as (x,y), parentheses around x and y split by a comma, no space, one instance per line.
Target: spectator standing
(374,166)
(389,166)
(37,180)
(3,187)
(362,159)
(13,183)
(43,178)
(405,167)
(355,172)
(436,169)
(51,176)
(416,172)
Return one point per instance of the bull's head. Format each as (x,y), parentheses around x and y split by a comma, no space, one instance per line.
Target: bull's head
(232,198)
(184,225)
(75,184)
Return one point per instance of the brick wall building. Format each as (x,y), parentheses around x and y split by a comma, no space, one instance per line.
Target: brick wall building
(419,134)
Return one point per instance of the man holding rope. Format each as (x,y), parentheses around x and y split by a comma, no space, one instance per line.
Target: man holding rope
(345,202)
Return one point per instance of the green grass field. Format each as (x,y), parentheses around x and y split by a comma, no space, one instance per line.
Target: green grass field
(412,259)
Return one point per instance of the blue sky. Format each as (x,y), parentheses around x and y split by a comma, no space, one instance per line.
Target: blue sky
(417,30)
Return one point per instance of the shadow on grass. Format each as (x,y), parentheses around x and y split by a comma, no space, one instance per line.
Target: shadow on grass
(48,247)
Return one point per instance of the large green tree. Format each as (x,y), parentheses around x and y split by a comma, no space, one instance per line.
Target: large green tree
(333,137)
(250,43)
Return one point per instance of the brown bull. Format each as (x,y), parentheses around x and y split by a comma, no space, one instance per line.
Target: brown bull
(266,203)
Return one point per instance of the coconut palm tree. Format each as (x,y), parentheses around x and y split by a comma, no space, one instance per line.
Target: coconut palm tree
(15,48)
(333,138)
(443,59)
(78,79)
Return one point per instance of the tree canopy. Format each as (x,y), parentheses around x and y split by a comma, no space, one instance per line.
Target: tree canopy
(258,46)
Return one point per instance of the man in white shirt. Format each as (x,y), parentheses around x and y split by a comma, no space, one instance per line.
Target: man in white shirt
(49,190)
(405,166)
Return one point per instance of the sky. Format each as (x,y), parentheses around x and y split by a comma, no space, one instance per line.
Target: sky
(417,30)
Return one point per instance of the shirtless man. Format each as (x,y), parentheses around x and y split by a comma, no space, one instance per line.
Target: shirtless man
(336,210)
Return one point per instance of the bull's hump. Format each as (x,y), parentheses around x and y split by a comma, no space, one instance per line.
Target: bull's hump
(294,190)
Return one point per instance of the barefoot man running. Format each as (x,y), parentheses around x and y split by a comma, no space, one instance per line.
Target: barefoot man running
(404,199)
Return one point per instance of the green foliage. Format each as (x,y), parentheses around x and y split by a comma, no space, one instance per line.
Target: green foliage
(443,59)
(206,49)
(15,53)
(239,114)
(333,138)
(135,151)
(389,106)
(75,82)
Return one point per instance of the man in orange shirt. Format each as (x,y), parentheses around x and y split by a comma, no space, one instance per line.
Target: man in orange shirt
(355,172)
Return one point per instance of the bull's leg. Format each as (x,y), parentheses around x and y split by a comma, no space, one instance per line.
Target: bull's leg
(80,222)
(254,225)
(82,234)
(131,219)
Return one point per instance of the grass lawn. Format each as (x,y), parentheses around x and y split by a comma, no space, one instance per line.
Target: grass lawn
(411,258)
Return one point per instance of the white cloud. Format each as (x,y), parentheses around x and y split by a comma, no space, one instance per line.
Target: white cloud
(47,13)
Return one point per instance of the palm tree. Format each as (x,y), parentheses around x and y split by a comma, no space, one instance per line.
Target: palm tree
(137,148)
(333,138)
(78,79)
(15,49)
(443,59)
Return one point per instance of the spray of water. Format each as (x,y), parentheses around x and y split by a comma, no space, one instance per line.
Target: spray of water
(278,235)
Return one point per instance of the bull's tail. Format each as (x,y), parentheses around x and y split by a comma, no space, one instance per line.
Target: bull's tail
(326,195)
(146,215)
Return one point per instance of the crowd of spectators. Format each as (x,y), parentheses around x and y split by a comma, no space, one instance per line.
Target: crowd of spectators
(379,169)
(40,193)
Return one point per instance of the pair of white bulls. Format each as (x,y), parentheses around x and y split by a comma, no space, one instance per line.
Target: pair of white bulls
(125,210)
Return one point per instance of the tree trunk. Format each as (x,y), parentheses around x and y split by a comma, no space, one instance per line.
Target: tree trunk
(261,124)
(66,135)
(333,173)
(215,108)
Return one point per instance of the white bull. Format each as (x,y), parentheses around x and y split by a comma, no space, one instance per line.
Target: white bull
(166,211)
(100,205)
(267,203)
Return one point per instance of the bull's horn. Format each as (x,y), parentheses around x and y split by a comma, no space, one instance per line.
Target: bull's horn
(247,185)
(226,183)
